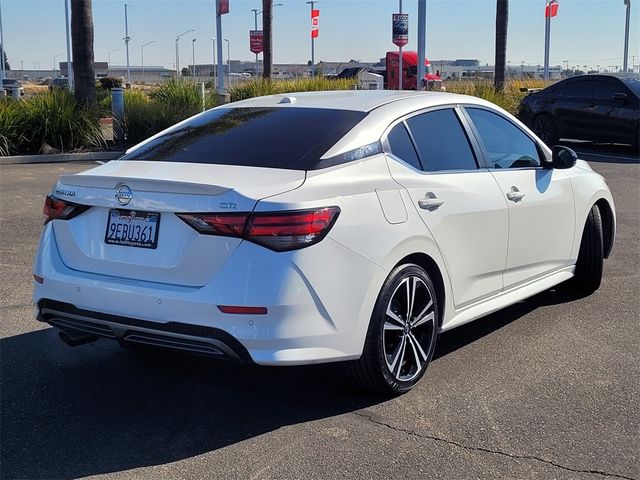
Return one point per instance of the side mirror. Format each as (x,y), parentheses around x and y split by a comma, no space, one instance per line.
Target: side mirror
(621,96)
(563,157)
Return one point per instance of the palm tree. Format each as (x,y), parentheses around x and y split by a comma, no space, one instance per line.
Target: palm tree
(82,44)
(267,10)
(502,20)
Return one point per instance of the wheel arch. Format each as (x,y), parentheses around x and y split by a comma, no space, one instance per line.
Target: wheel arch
(431,267)
(608,225)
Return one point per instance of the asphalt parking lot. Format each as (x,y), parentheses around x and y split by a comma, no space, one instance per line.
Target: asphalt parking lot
(548,388)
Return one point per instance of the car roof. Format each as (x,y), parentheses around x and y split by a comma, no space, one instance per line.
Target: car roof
(356,100)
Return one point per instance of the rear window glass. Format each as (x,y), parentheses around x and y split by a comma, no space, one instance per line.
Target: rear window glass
(441,141)
(280,137)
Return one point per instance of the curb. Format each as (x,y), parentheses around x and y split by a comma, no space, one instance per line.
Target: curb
(60,157)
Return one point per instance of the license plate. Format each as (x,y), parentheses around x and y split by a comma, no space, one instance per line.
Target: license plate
(132,228)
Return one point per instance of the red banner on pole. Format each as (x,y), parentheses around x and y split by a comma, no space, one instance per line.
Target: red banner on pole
(400,29)
(315,23)
(223,7)
(255,41)
(551,10)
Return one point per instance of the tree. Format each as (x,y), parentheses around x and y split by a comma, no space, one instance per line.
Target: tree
(502,21)
(267,60)
(82,44)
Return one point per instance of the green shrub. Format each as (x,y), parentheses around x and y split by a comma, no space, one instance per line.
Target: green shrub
(179,99)
(51,118)
(509,98)
(11,126)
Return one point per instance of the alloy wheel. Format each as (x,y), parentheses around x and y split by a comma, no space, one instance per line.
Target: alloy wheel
(408,329)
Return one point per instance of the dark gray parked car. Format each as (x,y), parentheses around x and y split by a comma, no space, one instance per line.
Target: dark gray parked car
(597,107)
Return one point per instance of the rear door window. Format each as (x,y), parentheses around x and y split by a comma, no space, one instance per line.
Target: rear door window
(274,137)
(441,141)
(579,89)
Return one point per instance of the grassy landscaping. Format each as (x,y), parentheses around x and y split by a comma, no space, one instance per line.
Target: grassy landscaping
(48,120)
(509,98)
(52,120)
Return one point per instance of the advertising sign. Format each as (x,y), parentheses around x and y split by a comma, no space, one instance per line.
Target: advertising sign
(223,7)
(255,41)
(315,23)
(400,29)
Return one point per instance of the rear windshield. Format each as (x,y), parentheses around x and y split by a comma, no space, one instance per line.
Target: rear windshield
(281,137)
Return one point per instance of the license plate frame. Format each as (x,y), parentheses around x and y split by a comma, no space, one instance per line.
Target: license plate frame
(144,237)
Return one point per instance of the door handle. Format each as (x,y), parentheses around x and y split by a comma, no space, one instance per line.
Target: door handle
(430,202)
(515,195)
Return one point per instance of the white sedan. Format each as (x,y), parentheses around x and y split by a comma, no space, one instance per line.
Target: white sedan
(320,227)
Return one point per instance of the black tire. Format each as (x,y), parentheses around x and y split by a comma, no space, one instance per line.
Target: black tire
(545,128)
(588,273)
(387,334)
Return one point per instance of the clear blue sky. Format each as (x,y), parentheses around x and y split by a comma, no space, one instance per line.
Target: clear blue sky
(585,32)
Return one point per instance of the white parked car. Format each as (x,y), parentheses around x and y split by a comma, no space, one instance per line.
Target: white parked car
(320,227)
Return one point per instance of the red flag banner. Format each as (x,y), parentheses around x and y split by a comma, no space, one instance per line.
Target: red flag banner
(551,9)
(223,7)
(255,41)
(315,23)
(400,29)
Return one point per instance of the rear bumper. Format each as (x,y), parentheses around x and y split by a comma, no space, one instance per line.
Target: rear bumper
(172,335)
(319,302)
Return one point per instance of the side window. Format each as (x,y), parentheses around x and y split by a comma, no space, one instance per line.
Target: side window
(604,91)
(441,141)
(579,89)
(401,145)
(506,145)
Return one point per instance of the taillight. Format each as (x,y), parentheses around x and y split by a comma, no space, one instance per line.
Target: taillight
(290,230)
(56,209)
(279,231)
(217,223)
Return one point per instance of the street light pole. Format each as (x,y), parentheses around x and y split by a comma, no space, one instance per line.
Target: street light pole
(625,66)
(178,50)
(193,58)
(228,60)
(2,54)
(109,60)
(256,12)
(142,52)
(313,57)
(126,42)
(213,48)
(67,28)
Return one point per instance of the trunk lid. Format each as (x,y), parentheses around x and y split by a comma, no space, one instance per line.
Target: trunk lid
(181,256)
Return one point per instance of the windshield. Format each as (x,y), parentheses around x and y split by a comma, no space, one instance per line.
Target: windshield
(273,137)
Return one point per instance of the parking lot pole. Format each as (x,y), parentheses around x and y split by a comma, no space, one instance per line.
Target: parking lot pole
(67,28)
(1,53)
(126,42)
(313,56)
(400,54)
(219,39)
(547,35)
(422,41)
(625,61)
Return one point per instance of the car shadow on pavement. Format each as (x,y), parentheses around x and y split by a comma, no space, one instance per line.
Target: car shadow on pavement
(94,409)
